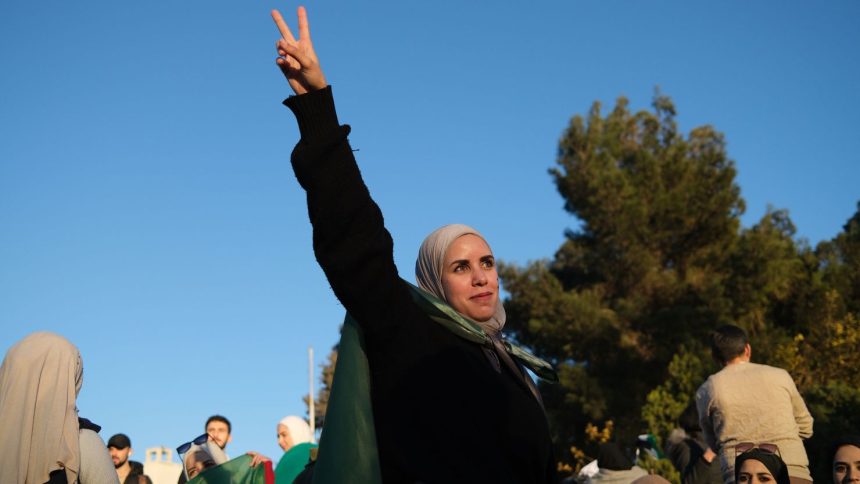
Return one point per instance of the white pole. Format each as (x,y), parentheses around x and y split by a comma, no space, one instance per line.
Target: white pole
(312,410)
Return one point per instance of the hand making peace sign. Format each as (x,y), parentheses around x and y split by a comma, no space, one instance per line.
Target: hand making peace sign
(297,58)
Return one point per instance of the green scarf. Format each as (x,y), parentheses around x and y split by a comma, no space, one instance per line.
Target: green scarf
(347,451)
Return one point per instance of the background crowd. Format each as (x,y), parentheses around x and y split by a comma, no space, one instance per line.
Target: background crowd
(747,426)
(46,440)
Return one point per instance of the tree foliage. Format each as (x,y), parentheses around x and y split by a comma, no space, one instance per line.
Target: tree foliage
(665,403)
(658,260)
(825,363)
(644,272)
(840,261)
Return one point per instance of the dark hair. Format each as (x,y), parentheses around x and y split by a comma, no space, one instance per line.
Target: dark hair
(728,342)
(773,462)
(218,418)
(843,441)
(689,419)
(611,456)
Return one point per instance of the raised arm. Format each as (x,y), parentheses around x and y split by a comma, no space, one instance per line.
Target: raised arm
(297,58)
(350,241)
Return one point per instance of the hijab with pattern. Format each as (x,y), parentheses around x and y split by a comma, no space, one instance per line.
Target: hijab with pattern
(431,264)
(40,380)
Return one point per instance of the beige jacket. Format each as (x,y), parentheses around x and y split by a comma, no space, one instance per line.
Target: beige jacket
(747,402)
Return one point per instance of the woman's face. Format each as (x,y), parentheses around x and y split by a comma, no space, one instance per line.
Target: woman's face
(754,472)
(284,438)
(197,462)
(846,465)
(469,278)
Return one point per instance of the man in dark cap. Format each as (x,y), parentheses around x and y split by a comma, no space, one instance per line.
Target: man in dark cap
(128,471)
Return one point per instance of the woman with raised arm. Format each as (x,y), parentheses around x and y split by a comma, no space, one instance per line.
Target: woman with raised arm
(451,400)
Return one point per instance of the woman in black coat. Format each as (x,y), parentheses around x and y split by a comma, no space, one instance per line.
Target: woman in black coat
(446,407)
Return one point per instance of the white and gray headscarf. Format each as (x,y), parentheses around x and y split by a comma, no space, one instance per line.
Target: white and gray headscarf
(431,263)
(300,431)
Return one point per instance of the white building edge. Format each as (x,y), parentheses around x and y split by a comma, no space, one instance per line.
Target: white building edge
(159,466)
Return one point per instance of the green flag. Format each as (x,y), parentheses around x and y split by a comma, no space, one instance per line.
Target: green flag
(347,451)
(237,471)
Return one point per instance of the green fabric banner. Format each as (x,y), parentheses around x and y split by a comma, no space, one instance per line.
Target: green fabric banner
(347,451)
(237,471)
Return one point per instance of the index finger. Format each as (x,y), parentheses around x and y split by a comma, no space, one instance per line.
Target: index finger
(282,26)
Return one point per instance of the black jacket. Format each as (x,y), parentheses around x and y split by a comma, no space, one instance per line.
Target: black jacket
(443,414)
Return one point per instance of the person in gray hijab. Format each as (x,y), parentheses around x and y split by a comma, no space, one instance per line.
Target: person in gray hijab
(443,253)
(451,401)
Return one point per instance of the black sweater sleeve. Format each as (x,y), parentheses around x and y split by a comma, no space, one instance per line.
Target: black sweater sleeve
(349,237)
(427,383)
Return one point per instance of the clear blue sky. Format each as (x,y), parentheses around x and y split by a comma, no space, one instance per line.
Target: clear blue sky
(148,211)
